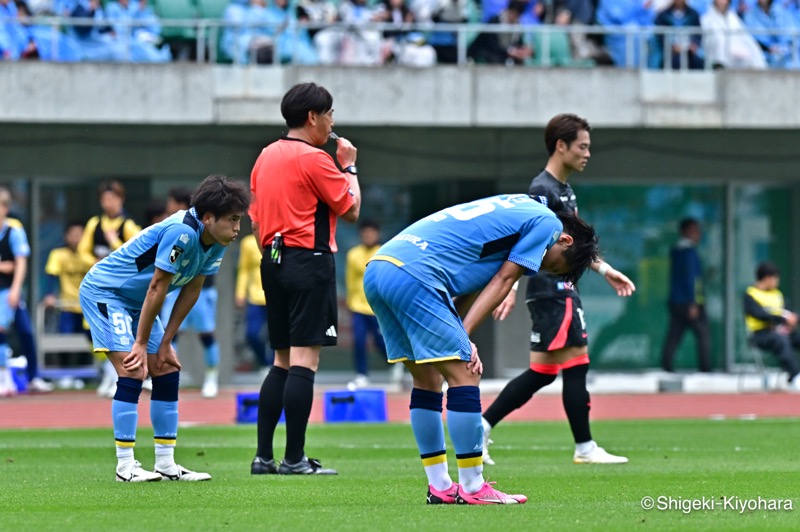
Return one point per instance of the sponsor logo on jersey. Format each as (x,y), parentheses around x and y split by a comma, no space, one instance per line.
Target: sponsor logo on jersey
(175,253)
(184,238)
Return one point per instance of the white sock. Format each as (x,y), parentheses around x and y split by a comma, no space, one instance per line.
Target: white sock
(165,455)
(585,447)
(471,478)
(124,457)
(212,374)
(438,477)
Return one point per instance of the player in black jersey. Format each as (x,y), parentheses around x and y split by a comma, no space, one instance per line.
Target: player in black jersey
(558,335)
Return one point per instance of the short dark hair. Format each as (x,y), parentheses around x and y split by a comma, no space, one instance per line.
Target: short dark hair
(368,223)
(111,185)
(564,127)
(584,250)
(301,99)
(220,195)
(182,195)
(767,269)
(686,223)
(155,207)
(74,223)
(518,6)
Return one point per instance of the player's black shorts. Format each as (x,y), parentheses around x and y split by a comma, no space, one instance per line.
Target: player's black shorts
(557,322)
(301,298)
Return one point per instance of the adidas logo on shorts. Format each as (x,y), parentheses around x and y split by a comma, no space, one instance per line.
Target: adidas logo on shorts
(331,331)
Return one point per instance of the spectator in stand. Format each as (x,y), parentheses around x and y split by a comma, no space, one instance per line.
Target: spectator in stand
(254,39)
(770,325)
(250,296)
(502,48)
(354,44)
(770,16)
(635,14)
(727,43)
(560,44)
(16,40)
(535,13)
(445,43)
(96,43)
(403,46)
(683,49)
(137,27)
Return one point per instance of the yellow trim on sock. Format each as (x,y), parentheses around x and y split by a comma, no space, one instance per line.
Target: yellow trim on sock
(433,460)
(464,463)
(124,443)
(389,259)
(165,441)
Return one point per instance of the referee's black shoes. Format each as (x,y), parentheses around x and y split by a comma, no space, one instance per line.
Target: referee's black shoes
(306,466)
(263,467)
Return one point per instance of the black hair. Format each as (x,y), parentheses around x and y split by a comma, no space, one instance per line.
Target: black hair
(74,223)
(687,223)
(368,223)
(155,208)
(584,250)
(180,195)
(301,99)
(518,6)
(564,127)
(220,195)
(767,269)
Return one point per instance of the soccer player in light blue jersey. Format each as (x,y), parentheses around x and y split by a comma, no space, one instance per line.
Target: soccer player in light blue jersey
(121,297)
(474,253)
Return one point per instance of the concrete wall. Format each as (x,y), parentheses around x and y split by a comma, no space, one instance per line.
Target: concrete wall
(485,96)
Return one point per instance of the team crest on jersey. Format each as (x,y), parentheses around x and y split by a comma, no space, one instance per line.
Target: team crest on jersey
(174,254)
(184,238)
(565,286)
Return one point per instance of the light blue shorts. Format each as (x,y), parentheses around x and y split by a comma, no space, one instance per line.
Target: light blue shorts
(418,322)
(203,316)
(113,326)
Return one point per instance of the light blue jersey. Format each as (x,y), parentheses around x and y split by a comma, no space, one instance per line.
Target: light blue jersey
(172,245)
(410,281)
(459,249)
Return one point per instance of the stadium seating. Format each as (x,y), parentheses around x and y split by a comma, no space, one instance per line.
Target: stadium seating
(176,10)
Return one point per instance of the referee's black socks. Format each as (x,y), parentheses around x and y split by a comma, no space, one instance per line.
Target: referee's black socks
(270,406)
(297,399)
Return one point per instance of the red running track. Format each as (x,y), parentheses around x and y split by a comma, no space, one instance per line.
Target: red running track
(85,409)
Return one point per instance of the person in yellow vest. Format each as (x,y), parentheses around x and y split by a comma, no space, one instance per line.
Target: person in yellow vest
(770,325)
(102,235)
(250,296)
(364,323)
(65,269)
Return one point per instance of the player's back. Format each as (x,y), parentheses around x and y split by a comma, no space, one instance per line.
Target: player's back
(460,248)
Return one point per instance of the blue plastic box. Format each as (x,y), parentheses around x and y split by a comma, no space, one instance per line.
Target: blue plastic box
(20,378)
(247,408)
(357,406)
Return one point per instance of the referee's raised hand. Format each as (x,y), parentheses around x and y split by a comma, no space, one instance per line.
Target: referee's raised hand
(346,153)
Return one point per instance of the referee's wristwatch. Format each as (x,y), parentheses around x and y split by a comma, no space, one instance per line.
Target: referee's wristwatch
(351,169)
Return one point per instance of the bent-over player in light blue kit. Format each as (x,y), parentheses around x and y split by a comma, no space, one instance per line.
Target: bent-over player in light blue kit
(121,297)
(474,252)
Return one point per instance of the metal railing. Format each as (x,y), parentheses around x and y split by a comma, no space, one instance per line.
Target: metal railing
(206,34)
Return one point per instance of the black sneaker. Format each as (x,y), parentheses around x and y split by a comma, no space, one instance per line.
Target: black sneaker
(306,466)
(263,467)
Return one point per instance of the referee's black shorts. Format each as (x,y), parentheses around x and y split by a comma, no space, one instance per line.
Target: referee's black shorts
(301,298)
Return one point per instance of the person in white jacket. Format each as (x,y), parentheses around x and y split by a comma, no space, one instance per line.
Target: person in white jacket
(727,43)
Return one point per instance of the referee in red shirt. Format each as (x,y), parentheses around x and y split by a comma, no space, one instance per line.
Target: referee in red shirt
(298,193)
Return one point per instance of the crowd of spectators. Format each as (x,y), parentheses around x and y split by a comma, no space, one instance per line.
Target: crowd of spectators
(691,34)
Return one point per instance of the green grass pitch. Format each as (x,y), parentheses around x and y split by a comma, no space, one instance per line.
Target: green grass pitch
(64,480)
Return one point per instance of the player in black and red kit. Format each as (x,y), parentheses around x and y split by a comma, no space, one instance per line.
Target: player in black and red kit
(558,336)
